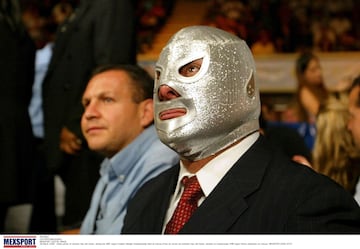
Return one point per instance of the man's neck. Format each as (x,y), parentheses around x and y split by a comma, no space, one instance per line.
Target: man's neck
(195,166)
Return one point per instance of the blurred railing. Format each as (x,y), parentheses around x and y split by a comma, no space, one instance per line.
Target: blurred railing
(275,73)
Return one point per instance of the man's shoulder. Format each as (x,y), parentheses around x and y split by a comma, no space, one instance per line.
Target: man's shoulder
(288,177)
(158,153)
(157,182)
(280,166)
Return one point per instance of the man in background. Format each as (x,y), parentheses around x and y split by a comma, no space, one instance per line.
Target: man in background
(17,59)
(118,123)
(354,121)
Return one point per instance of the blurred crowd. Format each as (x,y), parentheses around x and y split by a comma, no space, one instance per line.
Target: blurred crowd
(289,25)
(40,17)
(268,26)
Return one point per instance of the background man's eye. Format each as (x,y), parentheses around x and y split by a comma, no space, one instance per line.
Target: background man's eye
(108,100)
(85,103)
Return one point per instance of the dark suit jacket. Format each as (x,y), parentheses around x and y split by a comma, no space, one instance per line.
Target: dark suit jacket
(100,32)
(262,193)
(17,59)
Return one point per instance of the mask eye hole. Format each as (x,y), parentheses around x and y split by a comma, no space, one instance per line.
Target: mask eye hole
(191,69)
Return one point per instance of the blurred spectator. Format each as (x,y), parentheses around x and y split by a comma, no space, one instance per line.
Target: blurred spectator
(311,89)
(232,15)
(335,153)
(264,43)
(17,58)
(97,33)
(324,37)
(268,112)
(340,23)
(34,24)
(354,109)
(43,212)
(311,92)
(291,118)
(61,11)
(43,218)
(354,120)
(291,113)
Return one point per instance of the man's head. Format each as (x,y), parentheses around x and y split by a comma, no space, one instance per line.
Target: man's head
(205,94)
(118,107)
(354,109)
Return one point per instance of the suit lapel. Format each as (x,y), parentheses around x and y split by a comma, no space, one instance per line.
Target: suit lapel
(151,208)
(227,201)
(165,193)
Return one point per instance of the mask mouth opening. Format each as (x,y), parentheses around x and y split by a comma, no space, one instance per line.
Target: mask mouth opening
(167,93)
(172,113)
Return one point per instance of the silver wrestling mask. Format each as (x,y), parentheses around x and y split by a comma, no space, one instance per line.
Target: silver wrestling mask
(221,100)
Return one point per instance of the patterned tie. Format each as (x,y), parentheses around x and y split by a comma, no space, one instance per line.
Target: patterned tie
(186,206)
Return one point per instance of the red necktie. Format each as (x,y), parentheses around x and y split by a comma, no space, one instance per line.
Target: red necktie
(186,206)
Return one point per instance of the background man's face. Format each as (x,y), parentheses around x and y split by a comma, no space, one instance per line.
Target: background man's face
(354,121)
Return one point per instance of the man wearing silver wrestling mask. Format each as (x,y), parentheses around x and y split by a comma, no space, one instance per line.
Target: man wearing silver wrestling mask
(205,97)
(230,179)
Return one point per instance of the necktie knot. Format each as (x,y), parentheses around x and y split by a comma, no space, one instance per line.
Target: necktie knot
(192,189)
(186,206)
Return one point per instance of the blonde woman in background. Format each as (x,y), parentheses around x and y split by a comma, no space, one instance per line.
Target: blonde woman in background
(335,153)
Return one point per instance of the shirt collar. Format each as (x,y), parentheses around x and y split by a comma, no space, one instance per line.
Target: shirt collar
(212,173)
(122,162)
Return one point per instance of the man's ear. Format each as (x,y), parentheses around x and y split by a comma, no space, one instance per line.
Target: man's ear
(147,112)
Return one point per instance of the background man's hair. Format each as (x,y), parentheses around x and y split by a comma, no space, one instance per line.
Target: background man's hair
(143,82)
